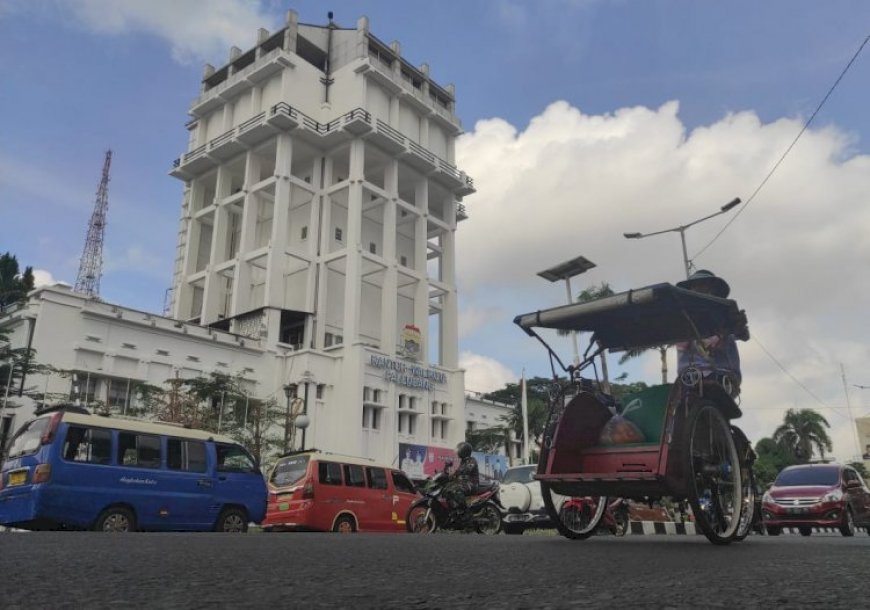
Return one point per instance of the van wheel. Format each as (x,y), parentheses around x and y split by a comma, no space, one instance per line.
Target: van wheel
(344,525)
(233,521)
(806,531)
(116,519)
(848,527)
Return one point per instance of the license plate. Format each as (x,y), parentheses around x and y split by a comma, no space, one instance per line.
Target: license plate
(17,478)
(284,506)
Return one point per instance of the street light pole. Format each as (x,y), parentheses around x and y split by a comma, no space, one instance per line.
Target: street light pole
(565,271)
(289,392)
(687,264)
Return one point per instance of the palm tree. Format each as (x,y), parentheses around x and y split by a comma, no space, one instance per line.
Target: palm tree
(803,431)
(663,354)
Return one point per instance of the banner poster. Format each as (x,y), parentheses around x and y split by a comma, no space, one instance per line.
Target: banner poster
(491,465)
(421,461)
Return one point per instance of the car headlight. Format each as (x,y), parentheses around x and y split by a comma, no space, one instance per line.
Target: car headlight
(833,496)
(767,497)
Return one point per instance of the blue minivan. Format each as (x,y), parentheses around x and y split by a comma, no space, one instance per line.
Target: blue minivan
(67,468)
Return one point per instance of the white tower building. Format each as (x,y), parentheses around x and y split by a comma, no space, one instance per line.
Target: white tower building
(319,215)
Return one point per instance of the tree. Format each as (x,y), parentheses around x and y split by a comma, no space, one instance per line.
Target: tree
(256,428)
(772,457)
(802,432)
(860,468)
(14,285)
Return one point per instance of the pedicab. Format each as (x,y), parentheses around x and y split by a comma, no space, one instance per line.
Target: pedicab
(672,440)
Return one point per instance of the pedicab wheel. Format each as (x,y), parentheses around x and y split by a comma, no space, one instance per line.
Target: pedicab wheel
(488,520)
(574,520)
(714,486)
(420,520)
(747,513)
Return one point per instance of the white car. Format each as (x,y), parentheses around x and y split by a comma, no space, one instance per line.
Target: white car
(520,494)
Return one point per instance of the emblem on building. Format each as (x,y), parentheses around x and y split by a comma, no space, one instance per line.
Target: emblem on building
(412,342)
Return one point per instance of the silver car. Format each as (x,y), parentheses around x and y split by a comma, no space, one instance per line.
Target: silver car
(521,496)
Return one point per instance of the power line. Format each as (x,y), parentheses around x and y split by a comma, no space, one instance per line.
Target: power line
(787,150)
(797,381)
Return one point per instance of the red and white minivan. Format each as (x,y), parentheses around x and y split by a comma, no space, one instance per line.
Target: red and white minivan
(318,491)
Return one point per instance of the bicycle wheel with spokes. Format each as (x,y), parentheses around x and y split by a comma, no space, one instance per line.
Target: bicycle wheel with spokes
(576,520)
(715,487)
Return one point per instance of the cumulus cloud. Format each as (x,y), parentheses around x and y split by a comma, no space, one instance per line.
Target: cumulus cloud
(483,374)
(41,277)
(193,33)
(571,184)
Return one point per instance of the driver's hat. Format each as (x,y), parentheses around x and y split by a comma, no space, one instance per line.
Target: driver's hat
(707,281)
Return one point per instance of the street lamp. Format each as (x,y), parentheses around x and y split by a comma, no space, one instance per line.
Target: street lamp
(290,393)
(682,231)
(302,421)
(565,271)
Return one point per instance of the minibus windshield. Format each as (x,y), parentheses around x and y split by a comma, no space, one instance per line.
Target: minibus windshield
(28,438)
(289,470)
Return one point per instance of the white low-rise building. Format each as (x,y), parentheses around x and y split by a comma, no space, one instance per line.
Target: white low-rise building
(316,246)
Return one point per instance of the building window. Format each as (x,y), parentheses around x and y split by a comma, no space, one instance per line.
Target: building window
(407,423)
(412,402)
(373,248)
(304,232)
(439,429)
(403,260)
(319,390)
(402,399)
(371,419)
(338,234)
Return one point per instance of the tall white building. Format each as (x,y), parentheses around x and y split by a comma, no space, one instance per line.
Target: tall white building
(317,234)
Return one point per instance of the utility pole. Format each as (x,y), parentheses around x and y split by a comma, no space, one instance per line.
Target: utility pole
(849,410)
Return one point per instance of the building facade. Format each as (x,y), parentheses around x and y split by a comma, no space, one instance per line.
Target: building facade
(316,246)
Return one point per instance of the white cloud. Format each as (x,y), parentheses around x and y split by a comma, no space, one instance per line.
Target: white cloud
(484,374)
(41,277)
(195,30)
(570,184)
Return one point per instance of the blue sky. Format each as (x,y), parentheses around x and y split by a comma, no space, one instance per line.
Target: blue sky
(584,119)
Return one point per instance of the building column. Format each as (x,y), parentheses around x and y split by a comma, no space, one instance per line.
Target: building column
(449,327)
(242,288)
(276,261)
(319,223)
(213,290)
(390,287)
(353,248)
(421,296)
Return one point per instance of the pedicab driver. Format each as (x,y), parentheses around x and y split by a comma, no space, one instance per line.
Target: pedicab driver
(717,353)
(465,479)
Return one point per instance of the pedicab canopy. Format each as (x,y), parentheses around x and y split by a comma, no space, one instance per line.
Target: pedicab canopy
(660,314)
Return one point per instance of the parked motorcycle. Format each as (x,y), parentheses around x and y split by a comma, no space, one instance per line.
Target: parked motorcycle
(433,512)
(580,510)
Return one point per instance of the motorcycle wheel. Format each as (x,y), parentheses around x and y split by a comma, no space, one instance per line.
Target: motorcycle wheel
(488,520)
(420,520)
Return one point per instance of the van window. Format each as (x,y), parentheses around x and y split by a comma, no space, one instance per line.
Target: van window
(91,445)
(289,470)
(185,455)
(401,483)
(139,450)
(232,458)
(377,478)
(27,439)
(329,473)
(353,475)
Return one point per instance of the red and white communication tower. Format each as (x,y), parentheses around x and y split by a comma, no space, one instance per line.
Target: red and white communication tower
(91,264)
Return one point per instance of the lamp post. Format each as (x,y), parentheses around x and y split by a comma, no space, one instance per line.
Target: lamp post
(303,421)
(565,271)
(682,231)
(290,393)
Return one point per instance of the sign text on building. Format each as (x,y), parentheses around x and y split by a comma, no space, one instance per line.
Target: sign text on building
(409,375)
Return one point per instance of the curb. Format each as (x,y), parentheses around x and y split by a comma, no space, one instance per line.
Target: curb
(661,528)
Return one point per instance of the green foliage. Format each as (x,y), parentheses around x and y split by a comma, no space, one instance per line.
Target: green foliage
(802,432)
(14,285)
(488,440)
(772,458)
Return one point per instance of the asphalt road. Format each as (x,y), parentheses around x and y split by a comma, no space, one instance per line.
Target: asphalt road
(94,570)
